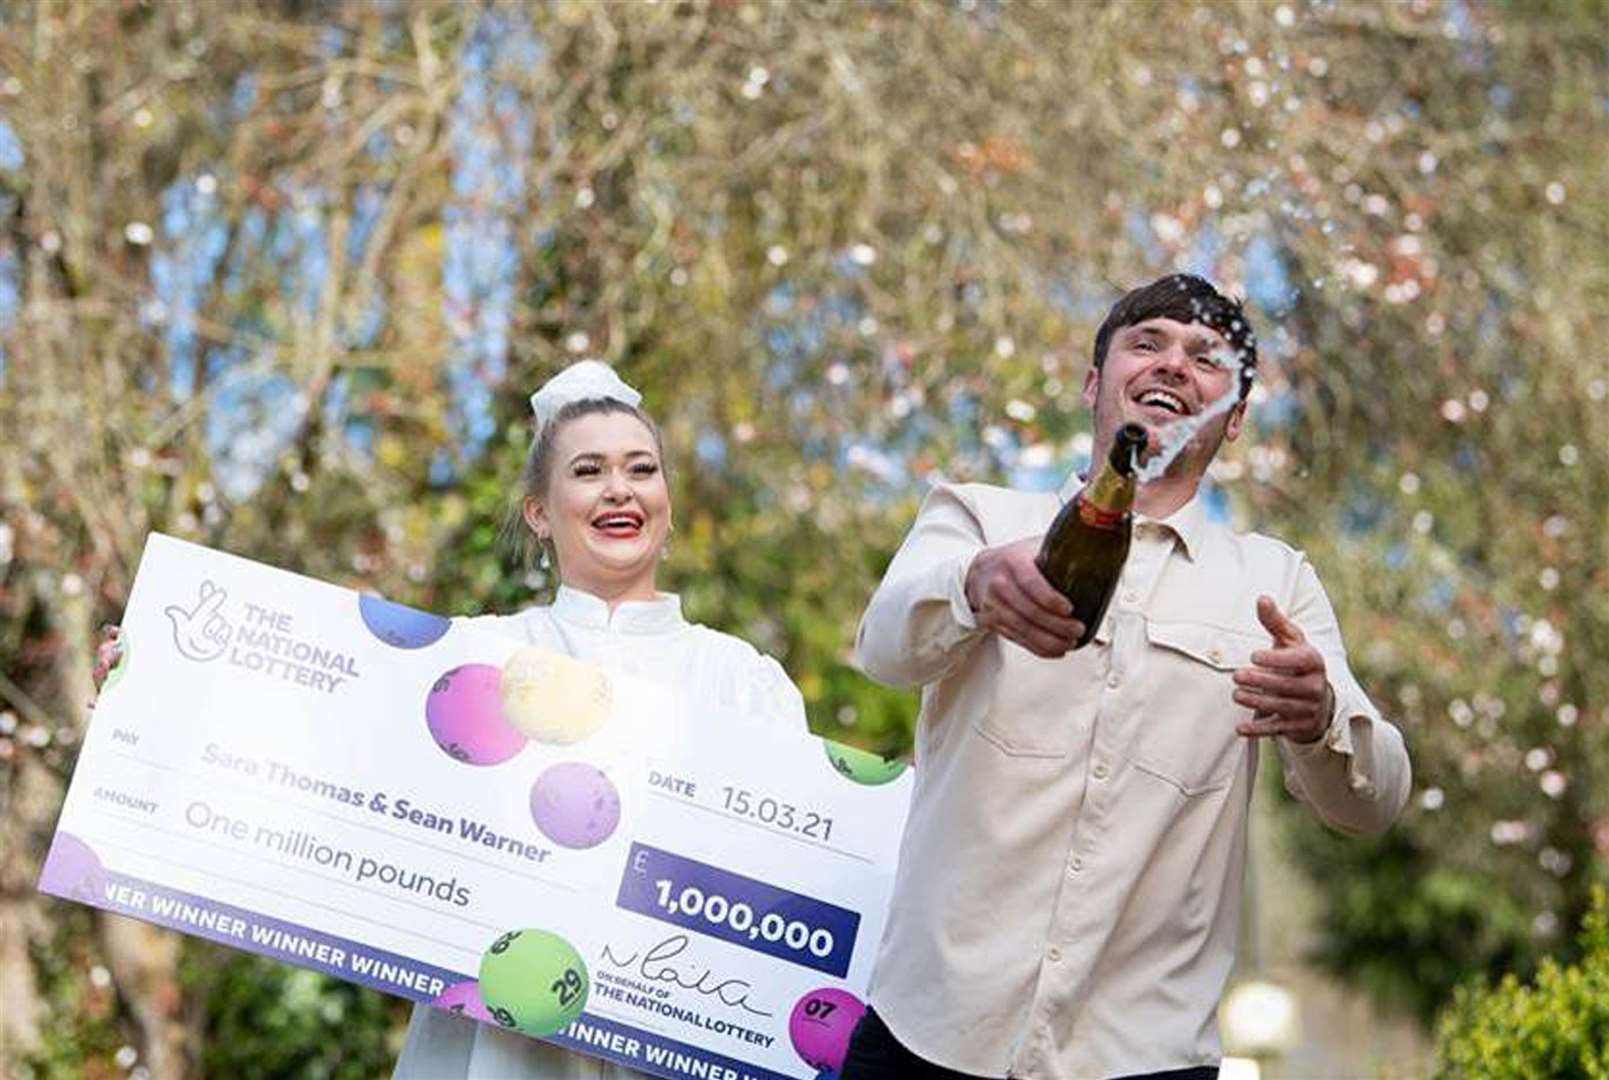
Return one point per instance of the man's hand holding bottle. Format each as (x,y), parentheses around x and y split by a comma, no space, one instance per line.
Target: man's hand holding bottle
(1010,596)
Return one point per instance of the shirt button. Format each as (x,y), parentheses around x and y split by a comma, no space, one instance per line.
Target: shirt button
(1077,863)
(1112,680)
(1100,772)
(1131,597)
(1054,954)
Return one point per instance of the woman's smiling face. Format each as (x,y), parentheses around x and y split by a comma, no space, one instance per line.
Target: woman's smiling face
(606,507)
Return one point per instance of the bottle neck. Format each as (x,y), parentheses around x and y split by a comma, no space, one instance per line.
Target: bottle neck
(1107,497)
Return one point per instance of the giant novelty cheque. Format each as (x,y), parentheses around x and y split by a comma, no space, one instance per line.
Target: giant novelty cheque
(402,801)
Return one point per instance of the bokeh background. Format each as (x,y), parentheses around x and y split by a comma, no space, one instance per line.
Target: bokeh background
(277,277)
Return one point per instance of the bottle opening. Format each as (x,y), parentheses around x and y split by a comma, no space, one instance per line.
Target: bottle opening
(1126,450)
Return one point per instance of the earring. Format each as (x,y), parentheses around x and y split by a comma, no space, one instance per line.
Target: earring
(543,559)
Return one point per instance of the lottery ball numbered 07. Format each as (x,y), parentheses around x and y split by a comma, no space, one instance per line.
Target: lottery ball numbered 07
(533,981)
(820,1025)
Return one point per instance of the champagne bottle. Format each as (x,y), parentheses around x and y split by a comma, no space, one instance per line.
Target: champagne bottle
(1084,551)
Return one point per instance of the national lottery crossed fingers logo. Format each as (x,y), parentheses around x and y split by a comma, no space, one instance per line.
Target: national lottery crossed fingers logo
(260,637)
(200,632)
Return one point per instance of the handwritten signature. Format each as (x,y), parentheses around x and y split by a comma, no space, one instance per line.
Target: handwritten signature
(655,966)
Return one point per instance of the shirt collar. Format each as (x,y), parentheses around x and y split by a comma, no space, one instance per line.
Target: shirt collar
(657,616)
(1188,522)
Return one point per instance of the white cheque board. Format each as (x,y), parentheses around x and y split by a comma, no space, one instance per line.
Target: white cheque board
(406,802)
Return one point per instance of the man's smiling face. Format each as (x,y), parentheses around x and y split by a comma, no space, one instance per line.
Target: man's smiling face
(1158,373)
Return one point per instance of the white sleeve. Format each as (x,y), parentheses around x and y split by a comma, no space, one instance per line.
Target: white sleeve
(919,624)
(776,698)
(1357,776)
(438,1047)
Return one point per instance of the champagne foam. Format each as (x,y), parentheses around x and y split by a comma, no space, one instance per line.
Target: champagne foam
(1171,440)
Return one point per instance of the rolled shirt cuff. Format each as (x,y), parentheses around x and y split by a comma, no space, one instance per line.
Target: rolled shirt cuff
(956,587)
(1337,739)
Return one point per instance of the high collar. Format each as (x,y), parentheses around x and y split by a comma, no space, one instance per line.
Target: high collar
(660,615)
(1188,522)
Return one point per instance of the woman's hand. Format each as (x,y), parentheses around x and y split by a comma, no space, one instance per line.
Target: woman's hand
(107,654)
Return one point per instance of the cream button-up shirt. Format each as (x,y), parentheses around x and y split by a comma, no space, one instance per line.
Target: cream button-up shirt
(651,640)
(1069,886)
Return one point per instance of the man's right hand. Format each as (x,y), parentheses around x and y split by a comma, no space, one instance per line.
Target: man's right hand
(1011,597)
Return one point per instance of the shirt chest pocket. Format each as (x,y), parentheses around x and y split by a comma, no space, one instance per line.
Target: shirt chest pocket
(1186,729)
(1039,708)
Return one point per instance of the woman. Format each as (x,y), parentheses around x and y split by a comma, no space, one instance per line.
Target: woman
(594,497)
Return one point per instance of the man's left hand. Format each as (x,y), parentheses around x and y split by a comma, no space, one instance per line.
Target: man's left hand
(1285,687)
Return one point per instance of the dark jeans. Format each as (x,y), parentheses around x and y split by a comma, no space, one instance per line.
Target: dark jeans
(874,1054)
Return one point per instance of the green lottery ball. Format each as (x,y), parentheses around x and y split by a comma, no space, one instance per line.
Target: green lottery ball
(533,981)
(862,766)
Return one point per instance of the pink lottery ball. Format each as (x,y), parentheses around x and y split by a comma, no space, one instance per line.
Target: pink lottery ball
(465,714)
(820,1026)
(464,999)
(575,804)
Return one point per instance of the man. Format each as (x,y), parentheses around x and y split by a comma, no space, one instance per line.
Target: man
(1069,888)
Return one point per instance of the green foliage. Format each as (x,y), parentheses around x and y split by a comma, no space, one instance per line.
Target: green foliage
(1448,476)
(1404,927)
(69,987)
(1556,1026)
(266,1019)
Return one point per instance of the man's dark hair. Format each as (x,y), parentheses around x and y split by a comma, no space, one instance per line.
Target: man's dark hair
(1184,298)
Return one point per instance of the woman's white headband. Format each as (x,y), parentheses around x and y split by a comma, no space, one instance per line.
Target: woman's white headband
(584,380)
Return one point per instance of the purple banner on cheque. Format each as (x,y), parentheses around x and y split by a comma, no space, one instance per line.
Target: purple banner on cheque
(738,909)
(640,1049)
(261,934)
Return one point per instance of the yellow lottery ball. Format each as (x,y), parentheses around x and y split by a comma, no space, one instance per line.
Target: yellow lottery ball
(553,698)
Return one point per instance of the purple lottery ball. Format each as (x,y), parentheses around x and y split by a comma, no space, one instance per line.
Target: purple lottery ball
(820,1026)
(72,869)
(464,999)
(400,625)
(465,714)
(575,805)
